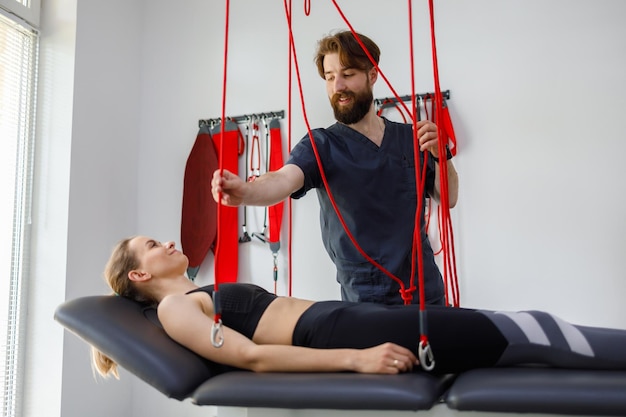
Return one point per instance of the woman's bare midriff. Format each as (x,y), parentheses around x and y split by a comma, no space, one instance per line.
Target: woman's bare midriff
(279,320)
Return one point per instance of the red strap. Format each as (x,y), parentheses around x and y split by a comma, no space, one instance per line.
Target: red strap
(447,122)
(276,162)
(199,210)
(227,242)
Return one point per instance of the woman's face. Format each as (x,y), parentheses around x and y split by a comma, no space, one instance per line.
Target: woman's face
(158,259)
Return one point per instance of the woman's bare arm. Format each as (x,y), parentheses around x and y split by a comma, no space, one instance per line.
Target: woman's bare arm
(184,320)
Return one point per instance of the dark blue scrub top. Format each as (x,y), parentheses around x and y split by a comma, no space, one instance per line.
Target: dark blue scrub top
(374,189)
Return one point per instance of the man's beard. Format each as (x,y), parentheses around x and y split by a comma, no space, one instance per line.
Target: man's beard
(350,114)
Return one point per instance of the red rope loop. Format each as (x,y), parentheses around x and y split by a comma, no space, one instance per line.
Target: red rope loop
(407,294)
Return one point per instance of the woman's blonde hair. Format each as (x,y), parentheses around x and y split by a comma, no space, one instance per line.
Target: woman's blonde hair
(121,262)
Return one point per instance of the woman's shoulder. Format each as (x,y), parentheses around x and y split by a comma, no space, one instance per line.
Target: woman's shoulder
(174,303)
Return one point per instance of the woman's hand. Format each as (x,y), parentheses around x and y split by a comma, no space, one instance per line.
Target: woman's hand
(387,358)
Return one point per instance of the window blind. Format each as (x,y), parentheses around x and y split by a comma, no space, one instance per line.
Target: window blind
(18,69)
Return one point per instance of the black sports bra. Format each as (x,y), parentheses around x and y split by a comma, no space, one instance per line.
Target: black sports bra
(242,305)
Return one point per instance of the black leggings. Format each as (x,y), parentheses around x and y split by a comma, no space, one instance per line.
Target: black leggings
(460,339)
(463,339)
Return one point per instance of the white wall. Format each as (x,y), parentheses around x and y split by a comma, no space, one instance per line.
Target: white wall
(85,190)
(536,93)
(103,189)
(537,88)
(44,370)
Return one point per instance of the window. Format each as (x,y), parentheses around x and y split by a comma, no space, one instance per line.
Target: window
(18,69)
(27,10)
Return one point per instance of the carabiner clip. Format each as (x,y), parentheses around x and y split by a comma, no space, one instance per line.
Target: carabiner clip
(217,335)
(426,357)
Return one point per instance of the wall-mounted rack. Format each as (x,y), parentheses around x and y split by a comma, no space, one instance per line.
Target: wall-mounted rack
(382,103)
(243,118)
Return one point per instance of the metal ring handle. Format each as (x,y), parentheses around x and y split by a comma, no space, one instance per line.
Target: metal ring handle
(217,334)
(426,357)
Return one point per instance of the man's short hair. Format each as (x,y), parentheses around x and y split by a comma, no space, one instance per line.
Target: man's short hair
(351,55)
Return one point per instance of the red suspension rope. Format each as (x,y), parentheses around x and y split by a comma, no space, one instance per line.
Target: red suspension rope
(420,180)
(217,337)
(417,241)
(289,202)
(446,231)
(424,348)
(406,294)
(395,94)
(416,250)
(427,362)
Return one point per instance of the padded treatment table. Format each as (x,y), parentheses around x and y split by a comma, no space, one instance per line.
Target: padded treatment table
(540,390)
(132,336)
(332,391)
